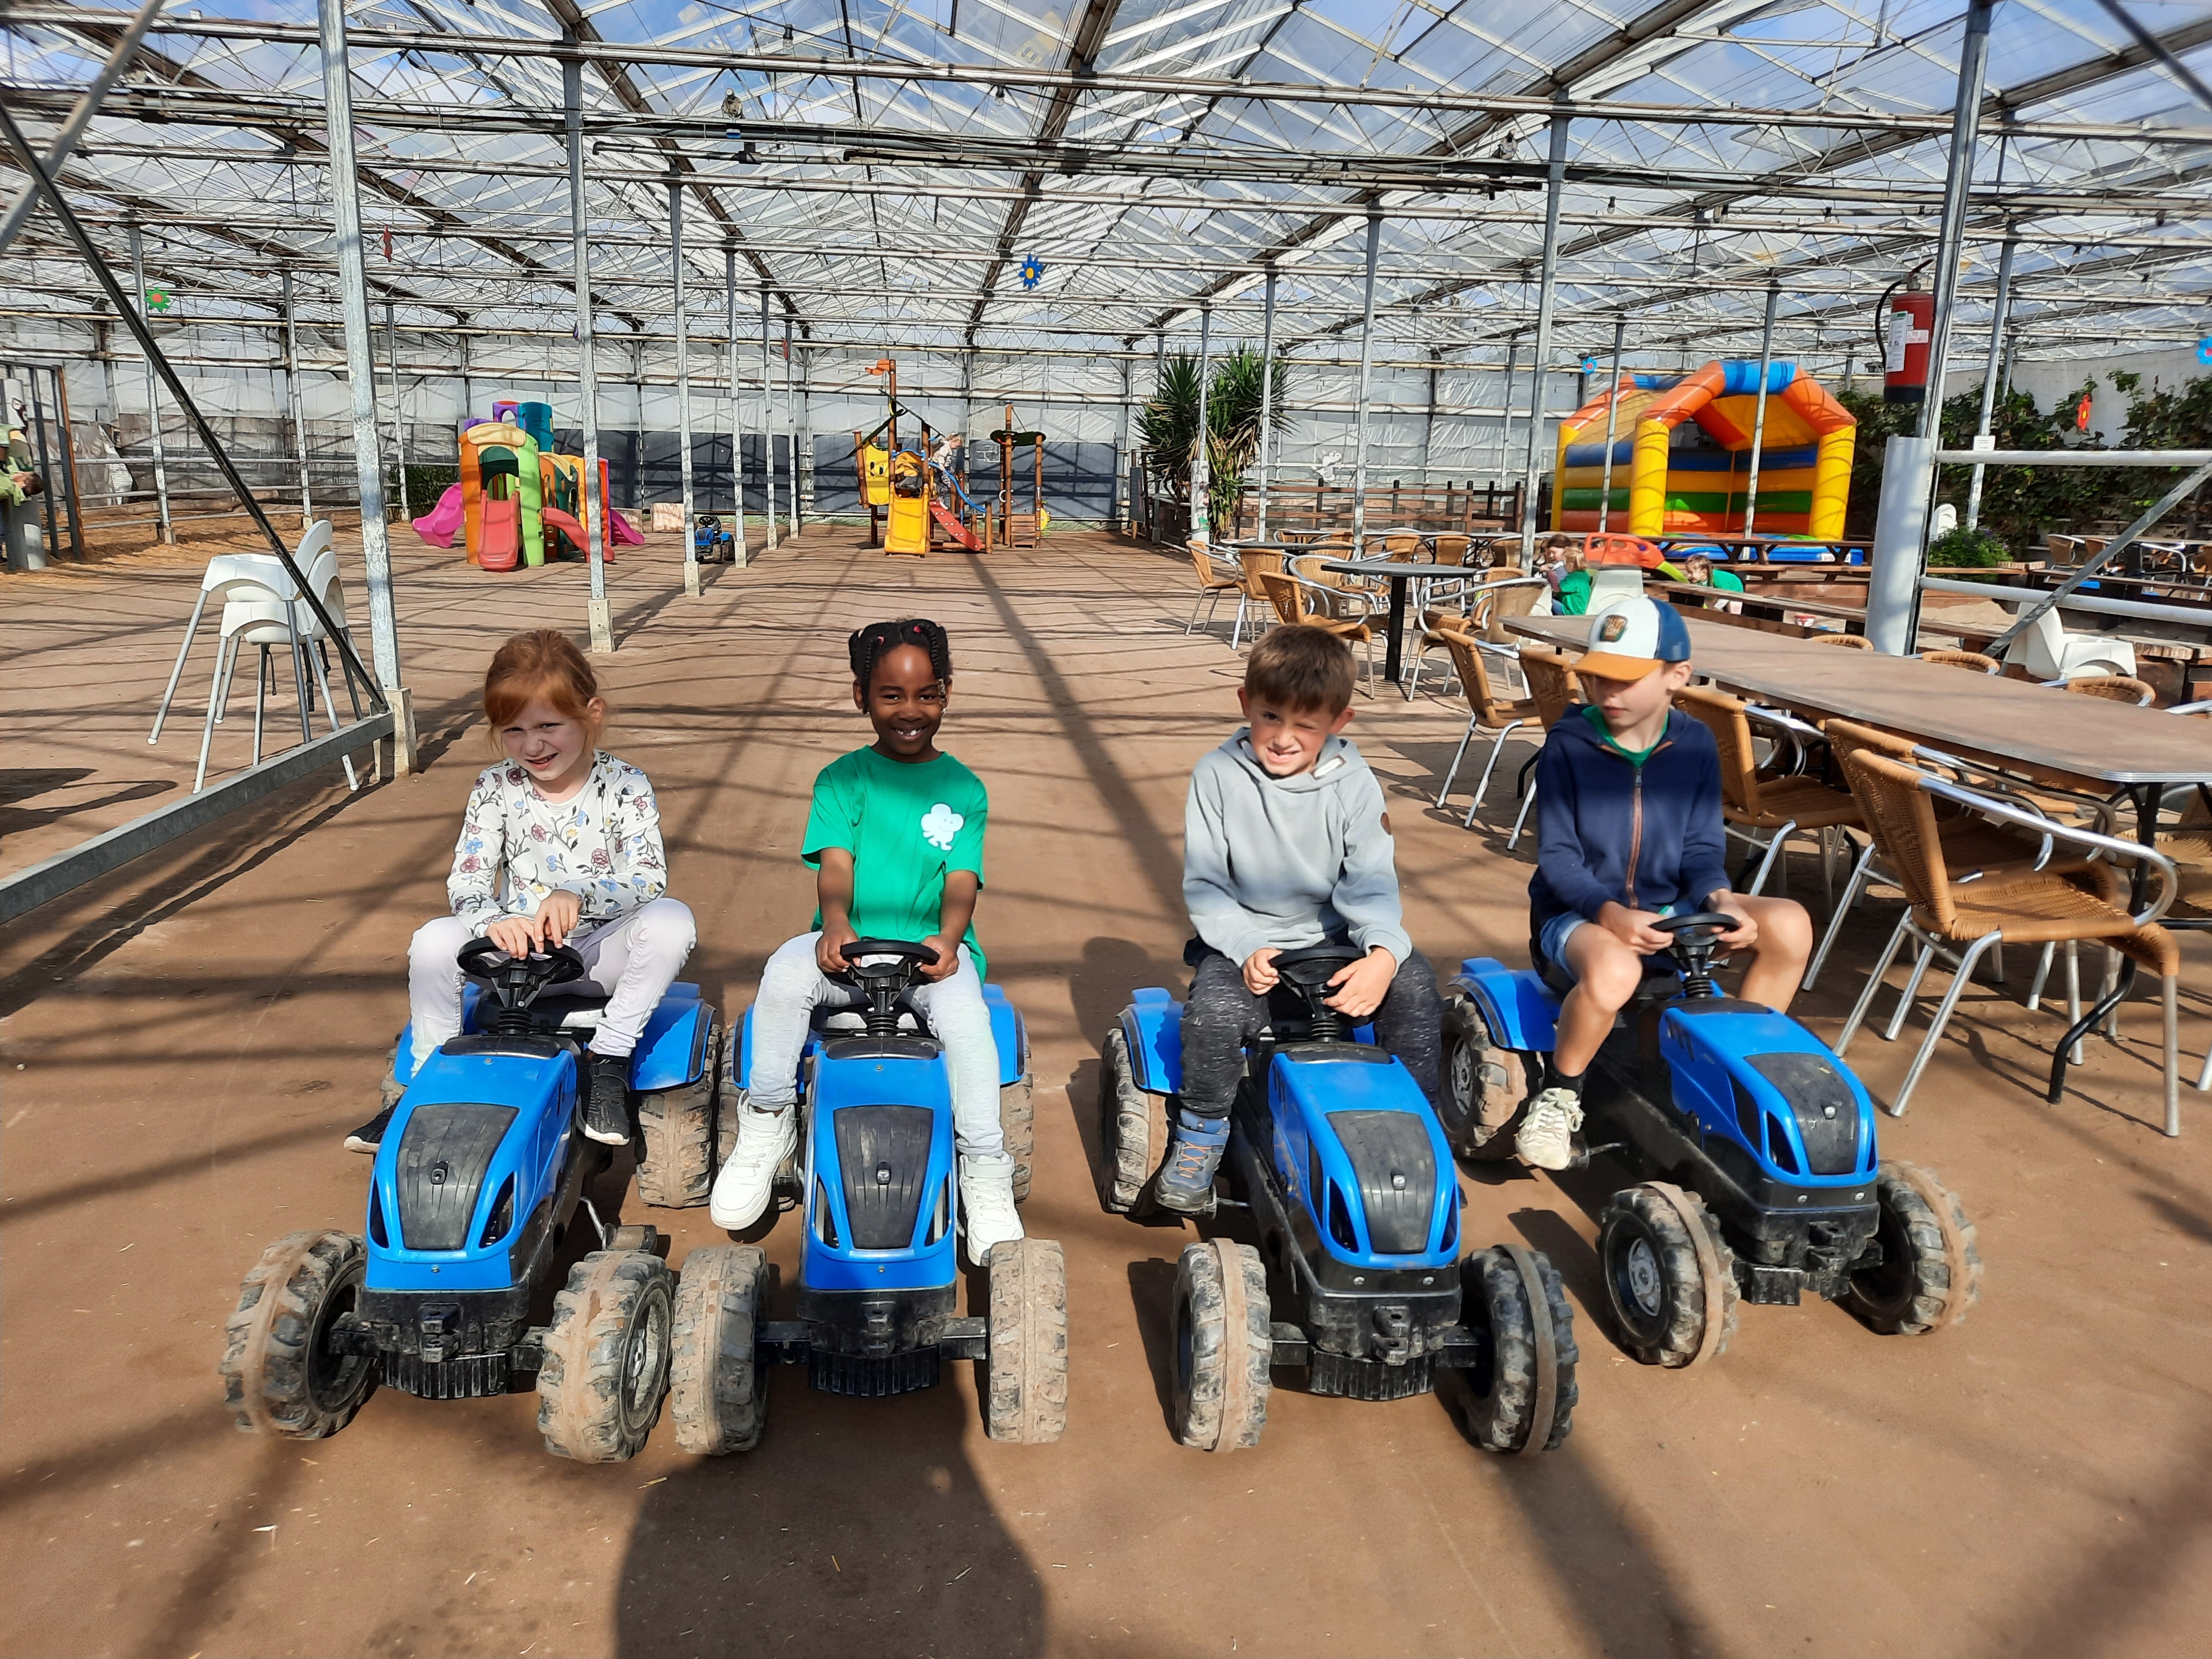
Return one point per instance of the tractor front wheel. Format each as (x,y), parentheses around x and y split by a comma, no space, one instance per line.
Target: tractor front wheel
(1133,1132)
(1025,1386)
(279,1376)
(1930,1272)
(606,1358)
(1224,1347)
(715,1391)
(1529,1402)
(676,1161)
(1673,1291)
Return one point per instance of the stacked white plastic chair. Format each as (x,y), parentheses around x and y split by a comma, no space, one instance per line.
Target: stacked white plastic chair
(262,610)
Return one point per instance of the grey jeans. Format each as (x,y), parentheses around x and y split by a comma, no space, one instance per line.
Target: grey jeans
(792,986)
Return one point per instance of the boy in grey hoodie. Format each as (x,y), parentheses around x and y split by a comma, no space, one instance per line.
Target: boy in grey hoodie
(1286,843)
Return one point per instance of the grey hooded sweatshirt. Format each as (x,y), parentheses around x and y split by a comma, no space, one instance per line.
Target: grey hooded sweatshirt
(1289,861)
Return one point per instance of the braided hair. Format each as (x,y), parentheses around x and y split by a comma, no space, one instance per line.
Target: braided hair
(867,646)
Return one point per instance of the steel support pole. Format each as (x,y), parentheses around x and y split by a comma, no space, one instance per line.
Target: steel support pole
(398,406)
(1361,402)
(69,466)
(791,418)
(1958,174)
(580,244)
(1202,458)
(168,531)
(360,376)
(1429,419)
(768,424)
(1758,408)
(1120,505)
(2000,317)
(296,400)
(1555,185)
(1267,400)
(742,553)
(1505,406)
(1612,426)
(468,396)
(682,390)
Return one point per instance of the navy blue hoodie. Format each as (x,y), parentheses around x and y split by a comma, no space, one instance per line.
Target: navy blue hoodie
(1609,830)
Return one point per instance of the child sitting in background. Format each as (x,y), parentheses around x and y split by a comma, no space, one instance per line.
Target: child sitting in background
(559,845)
(1286,843)
(1567,567)
(1628,809)
(896,835)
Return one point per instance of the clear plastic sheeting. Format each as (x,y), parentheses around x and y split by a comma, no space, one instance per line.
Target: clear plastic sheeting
(1021,201)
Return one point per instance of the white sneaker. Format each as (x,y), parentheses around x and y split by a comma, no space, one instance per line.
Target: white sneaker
(742,1190)
(1545,1140)
(986,1203)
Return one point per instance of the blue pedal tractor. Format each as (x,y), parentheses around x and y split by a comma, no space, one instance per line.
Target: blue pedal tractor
(1764,1184)
(879,1272)
(1344,1170)
(476,1187)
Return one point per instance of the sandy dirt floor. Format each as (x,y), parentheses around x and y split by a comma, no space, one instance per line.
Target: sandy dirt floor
(185,1045)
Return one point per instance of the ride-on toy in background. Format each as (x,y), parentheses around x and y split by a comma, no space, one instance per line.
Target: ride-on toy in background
(877,1268)
(1340,1161)
(1760,1143)
(477,1180)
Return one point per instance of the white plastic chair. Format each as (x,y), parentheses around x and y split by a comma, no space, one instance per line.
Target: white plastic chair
(2048,652)
(1609,582)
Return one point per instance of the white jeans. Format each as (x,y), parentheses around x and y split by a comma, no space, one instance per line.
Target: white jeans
(792,986)
(631,962)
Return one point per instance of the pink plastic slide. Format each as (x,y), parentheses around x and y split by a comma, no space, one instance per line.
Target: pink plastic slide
(437,526)
(623,532)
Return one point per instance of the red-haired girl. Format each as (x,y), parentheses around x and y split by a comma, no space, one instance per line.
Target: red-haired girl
(559,845)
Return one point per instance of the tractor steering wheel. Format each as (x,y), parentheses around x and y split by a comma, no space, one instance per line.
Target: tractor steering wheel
(893,959)
(1694,939)
(1310,967)
(1718,922)
(481,959)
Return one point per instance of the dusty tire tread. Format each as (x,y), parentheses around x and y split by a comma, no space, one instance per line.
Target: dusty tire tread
(1501,1421)
(1204,1418)
(717,1393)
(1133,1129)
(1677,1343)
(266,1360)
(577,1412)
(1025,1384)
(1497,1072)
(676,1161)
(1936,1226)
(1017,1122)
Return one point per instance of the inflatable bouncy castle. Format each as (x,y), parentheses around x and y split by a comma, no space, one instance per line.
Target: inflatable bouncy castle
(1681,455)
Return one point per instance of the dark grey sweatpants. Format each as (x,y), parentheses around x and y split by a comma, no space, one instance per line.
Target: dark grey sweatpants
(1221,1015)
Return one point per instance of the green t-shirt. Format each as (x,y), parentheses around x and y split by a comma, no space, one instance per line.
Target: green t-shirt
(1574,596)
(1728,579)
(1595,716)
(905,826)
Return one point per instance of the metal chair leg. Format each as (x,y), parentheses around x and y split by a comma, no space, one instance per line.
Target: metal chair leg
(260,698)
(1873,982)
(2042,974)
(2169,992)
(1236,633)
(169,692)
(1451,772)
(330,714)
(1773,852)
(1911,989)
(1528,801)
(1973,954)
(1851,890)
(2073,996)
(1482,788)
(226,655)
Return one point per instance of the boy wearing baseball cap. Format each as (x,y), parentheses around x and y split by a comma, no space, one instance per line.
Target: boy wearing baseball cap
(1628,809)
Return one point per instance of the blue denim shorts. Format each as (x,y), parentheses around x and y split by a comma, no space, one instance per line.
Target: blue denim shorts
(1552,940)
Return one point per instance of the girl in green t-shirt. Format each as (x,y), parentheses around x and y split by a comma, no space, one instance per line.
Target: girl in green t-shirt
(896,837)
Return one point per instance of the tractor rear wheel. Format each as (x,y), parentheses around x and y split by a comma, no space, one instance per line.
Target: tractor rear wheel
(1223,1346)
(1930,1270)
(1018,1120)
(1529,1406)
(1485,1086)
(716,1393)
(676,1162)
(1133,1132)
(1673,1293)
(1025,1387)
(606,1358)
(278,1375)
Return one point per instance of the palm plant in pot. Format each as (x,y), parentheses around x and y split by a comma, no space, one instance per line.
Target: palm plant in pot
(1167,426)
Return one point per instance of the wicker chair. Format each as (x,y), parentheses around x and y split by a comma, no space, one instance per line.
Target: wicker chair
(1451,548)
(1973,660)
(1476,612)
(1849,641)
(1756,801)
(1974,848)
(2041,907)
(1405,544)
(1492,716)
(1554,690)
(1303,603)
(1256,563)
(2114,688)
(1213,582)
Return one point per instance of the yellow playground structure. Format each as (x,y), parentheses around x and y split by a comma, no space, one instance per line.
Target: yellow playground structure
(1681,455)
(914,497)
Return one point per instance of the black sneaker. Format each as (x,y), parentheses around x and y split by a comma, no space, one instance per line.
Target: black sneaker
(370,1135)
(606,1099)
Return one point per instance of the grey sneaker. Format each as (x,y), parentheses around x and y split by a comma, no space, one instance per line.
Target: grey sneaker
(1547,1138)
(606,1099)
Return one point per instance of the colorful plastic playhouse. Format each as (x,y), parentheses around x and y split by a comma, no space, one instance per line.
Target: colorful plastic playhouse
(1681,455)
(515,492)
(914,497)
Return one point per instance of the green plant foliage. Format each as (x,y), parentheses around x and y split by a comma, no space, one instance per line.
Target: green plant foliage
(1972,549)
(424,485)
(1167,426)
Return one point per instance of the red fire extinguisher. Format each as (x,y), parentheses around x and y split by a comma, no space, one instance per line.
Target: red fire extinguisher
(1907,320)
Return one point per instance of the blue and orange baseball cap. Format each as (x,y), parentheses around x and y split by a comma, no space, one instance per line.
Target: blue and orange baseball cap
(1631,637)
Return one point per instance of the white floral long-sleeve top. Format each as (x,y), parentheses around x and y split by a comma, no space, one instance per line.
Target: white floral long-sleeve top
(602,845)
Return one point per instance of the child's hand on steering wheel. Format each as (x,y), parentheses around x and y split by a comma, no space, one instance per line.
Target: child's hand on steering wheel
(557,917)
(948,958)
(1361,986)
(1745,933)
(516,935)
(830,948)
